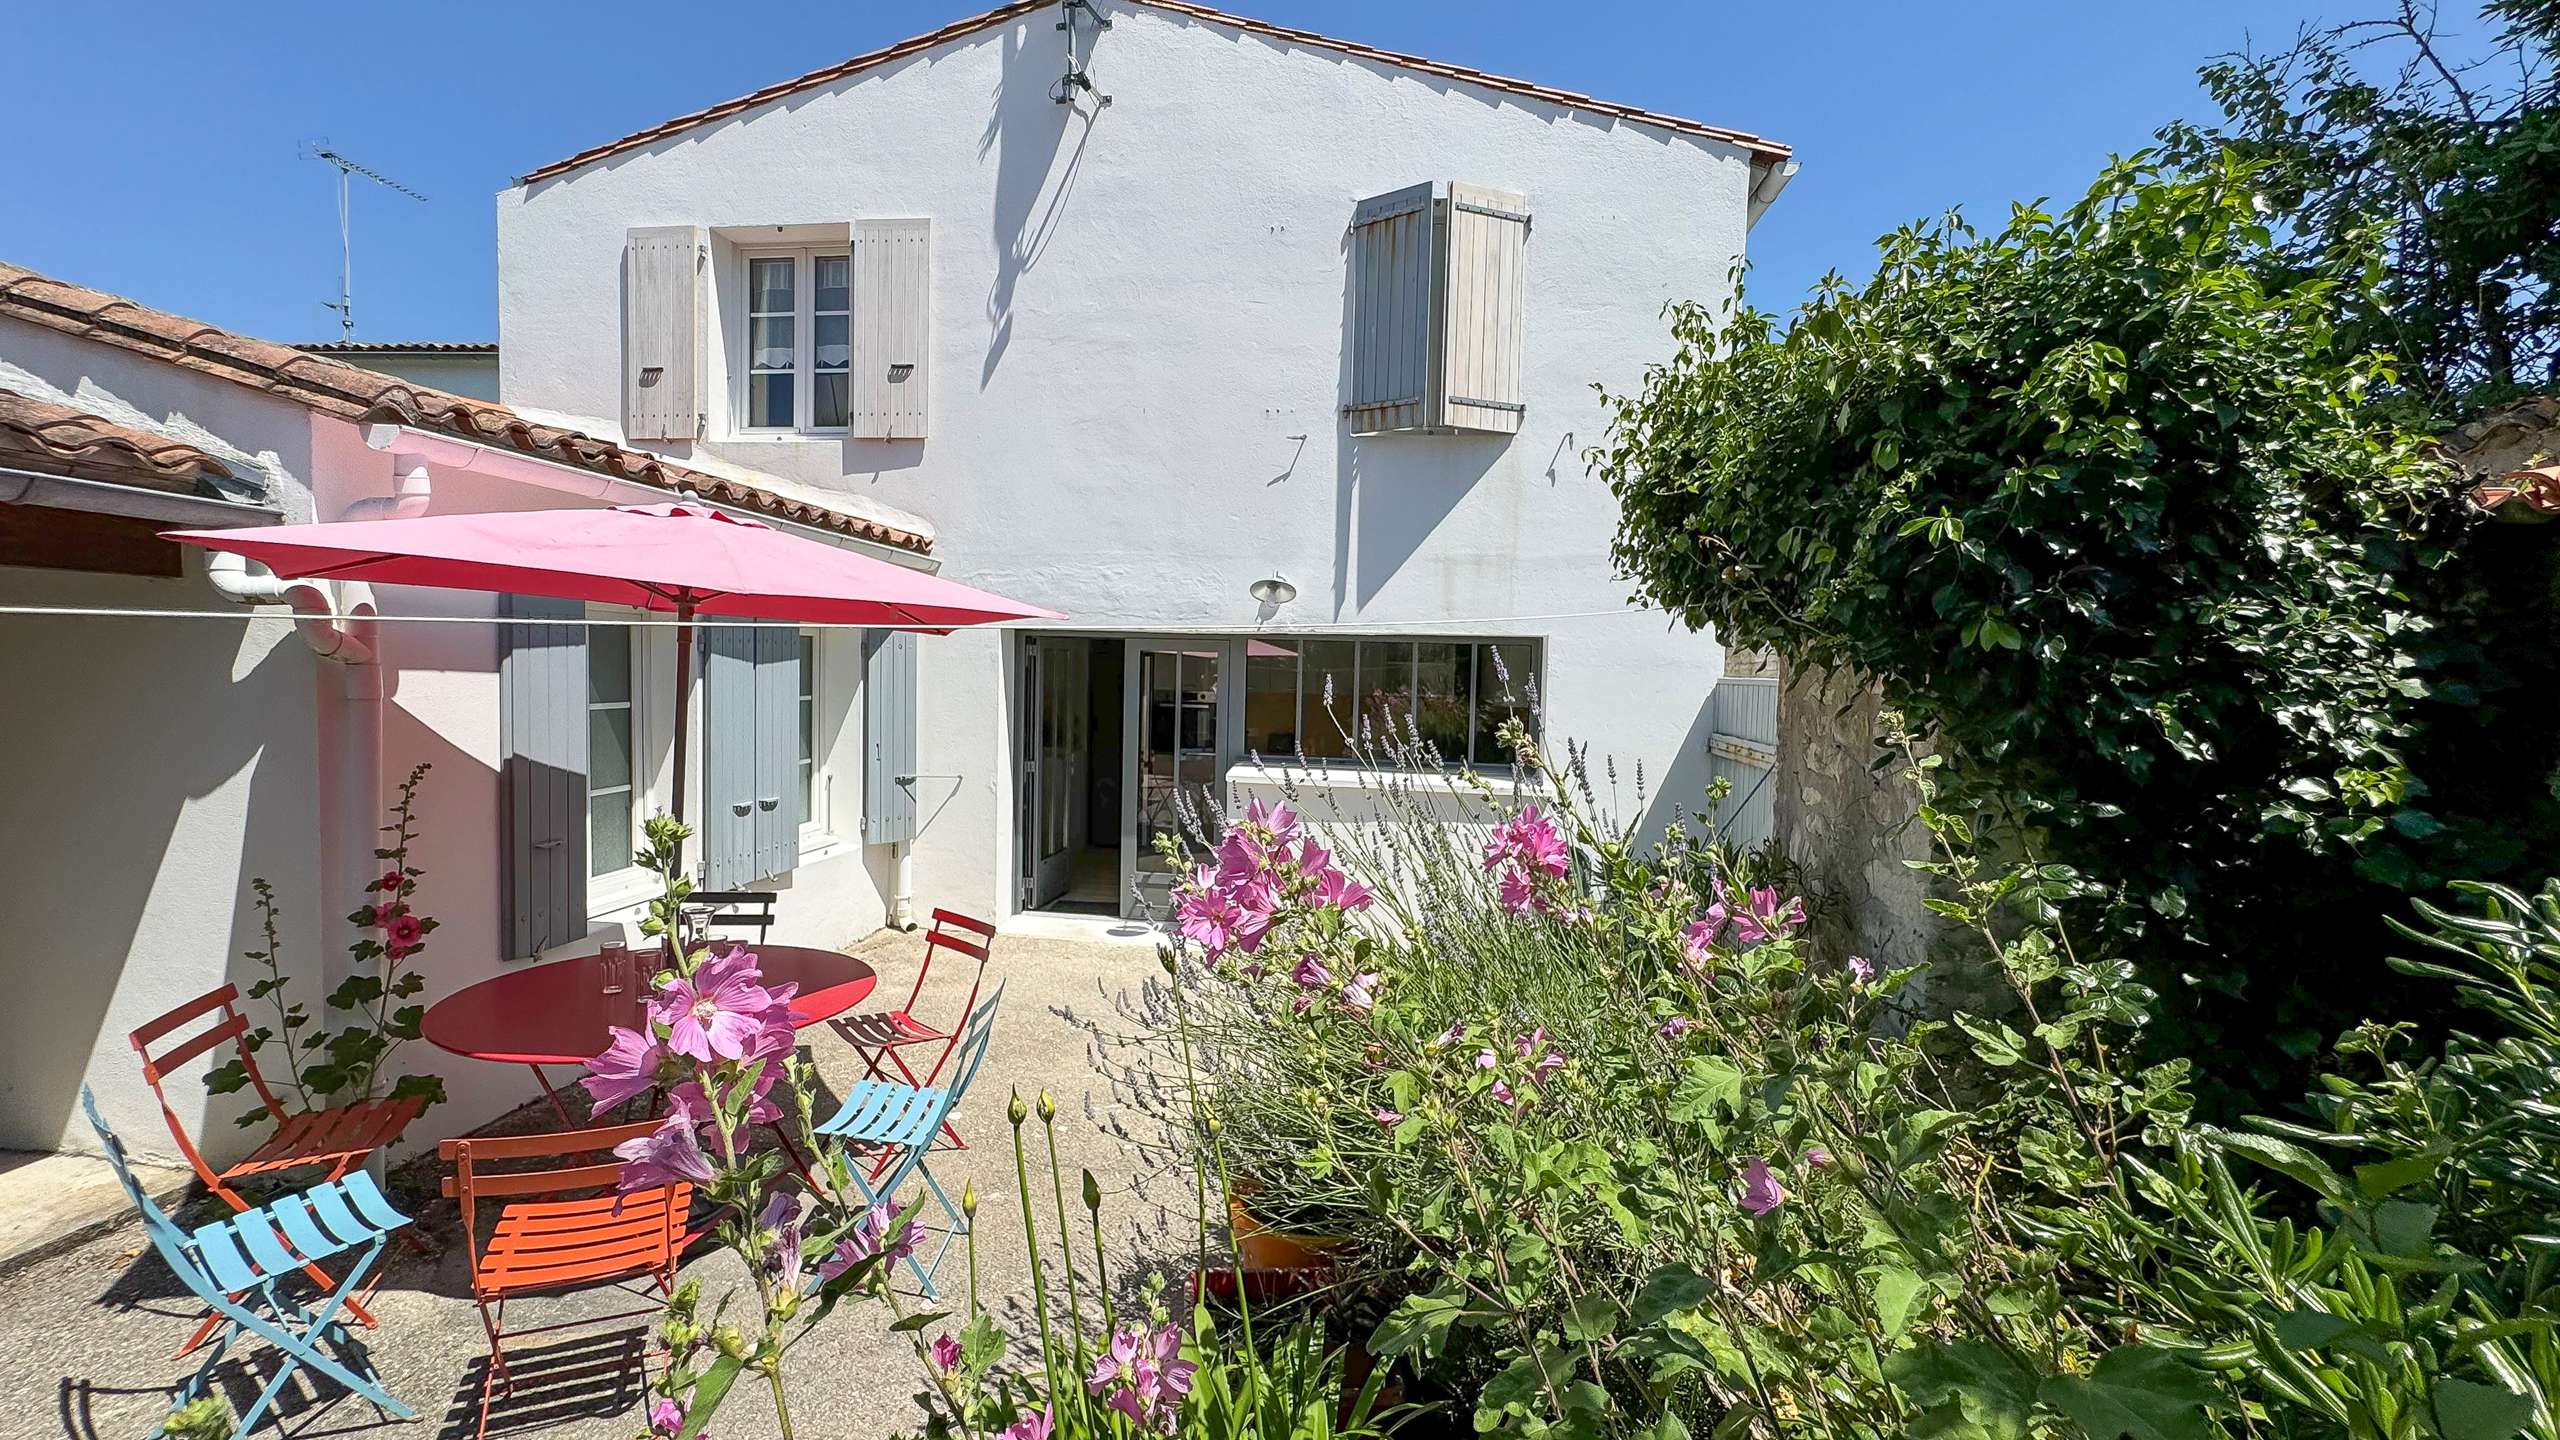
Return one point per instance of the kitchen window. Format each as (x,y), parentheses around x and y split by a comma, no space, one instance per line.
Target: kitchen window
(1317,696)
(799,350)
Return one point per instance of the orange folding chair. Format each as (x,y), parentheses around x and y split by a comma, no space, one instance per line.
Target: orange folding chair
(880,1034)
(337,1139)
(581,1235)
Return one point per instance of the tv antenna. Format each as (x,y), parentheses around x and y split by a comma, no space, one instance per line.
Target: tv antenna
(346,306)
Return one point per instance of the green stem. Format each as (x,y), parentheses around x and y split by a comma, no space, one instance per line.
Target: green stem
(1066,1248)
(1031,1244)
(1226,1186)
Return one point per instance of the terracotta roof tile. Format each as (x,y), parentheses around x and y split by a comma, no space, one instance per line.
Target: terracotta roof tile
(1763,151)
(399,347)
(41,435)
(334,387)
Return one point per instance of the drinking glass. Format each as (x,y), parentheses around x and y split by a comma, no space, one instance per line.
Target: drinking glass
(617,967)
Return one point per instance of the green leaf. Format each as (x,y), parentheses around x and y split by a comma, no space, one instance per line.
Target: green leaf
(1972,1387)
(1671,1290)
(2465,1410)
(708,1392)
(1897,1291)
(2139,1392)
(1593,1317)
(2382,1178)
(1709,1084)
(1420,1325)
(908,1324)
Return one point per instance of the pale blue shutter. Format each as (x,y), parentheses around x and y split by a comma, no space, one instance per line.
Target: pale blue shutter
(777,768)
(729,738)
(889,728)
(542,777)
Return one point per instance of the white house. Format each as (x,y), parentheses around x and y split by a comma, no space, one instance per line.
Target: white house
(1267,357)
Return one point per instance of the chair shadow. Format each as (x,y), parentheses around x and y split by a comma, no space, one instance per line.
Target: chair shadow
(554,1385)
(309,1407)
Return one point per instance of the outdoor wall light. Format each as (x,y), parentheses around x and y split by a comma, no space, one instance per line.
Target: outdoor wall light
(1274,591)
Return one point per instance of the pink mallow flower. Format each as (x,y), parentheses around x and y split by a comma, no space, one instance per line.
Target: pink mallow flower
(1768,918)
(666,1417)
(718,1014)
(1311,974)
(1761,1192)
(1677,1026)
(1530,841)
(1456,1032)
(1518,893)
(1360,994)
(1034,1426)
(664,1156)
(629,1066)
(1279,820)
(1818,1158)
(946,1352)
(1698,943)
(1206,913)
(1387,1119)
(1862,969)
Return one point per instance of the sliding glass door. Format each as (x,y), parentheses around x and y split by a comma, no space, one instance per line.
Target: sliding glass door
(1178,758)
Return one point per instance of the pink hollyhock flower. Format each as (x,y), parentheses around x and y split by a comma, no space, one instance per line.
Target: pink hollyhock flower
(1768,919)
(1547,1068)
(391,881)
(1517,894)
(719,1014)
(1311,973)
(1456,1032)
(946,1352)
(1335,890)
(1387,1119)
(1279,819)
(1526,1045)
(1761,1192)
(1529,840)
(1360,995)
(666,1416)
(1034,1426)
(1257,903)
(1486,1059)
(1702,934)
(1504,1093)
(1208,915)
(629,1066)
(1862,969)
(662,1157)
(402,930)
(1818,1158)
(1677,1026)
(864,1242)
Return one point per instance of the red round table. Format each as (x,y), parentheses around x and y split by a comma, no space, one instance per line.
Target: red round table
(558,1013)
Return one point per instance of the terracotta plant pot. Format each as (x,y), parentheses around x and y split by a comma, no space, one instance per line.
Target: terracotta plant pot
(1266,1251)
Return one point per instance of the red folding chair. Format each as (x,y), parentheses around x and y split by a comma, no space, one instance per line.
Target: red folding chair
(582,1235)
(337,1139)
(880,1035)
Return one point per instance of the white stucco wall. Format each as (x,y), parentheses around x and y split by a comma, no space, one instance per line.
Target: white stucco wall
(1138,313)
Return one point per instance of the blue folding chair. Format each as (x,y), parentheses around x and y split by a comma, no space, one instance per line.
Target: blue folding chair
(240,1265)
(902,1121)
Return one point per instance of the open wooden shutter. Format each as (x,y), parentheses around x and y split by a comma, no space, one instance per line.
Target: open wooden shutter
(1488,246)
(662,269)
(542,778)
(729,736)
(777,818)
(889,732)
(1391,329)
(892,327)
(1437,295)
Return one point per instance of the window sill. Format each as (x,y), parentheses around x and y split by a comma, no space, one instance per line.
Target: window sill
(611,895)
(816,845)
(1359,777)
(781,437)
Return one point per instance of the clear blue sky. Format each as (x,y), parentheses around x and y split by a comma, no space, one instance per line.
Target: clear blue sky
(156,144)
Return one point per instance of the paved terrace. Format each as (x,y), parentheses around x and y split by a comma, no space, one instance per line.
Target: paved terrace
(89,1332)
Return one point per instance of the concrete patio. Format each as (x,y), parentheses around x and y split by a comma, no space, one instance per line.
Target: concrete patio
(92,1328)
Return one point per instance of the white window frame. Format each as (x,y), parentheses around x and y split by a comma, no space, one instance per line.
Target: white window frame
(816,833)
(1311,694)
(804,340)
(628,885)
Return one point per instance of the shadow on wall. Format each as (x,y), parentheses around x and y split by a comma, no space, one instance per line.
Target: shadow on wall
(1680,792)
(1026,129)
(146,784)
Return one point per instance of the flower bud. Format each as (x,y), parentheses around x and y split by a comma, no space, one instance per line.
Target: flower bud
(1164,957)
(969,1200)
(1048,1107)
(1017,1112)
(1092,1193)
(731,1342)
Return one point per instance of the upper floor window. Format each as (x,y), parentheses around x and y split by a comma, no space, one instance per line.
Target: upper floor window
(799,341)
(1329,699)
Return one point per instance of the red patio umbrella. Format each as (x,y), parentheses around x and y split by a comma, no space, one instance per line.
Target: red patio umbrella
(691,560)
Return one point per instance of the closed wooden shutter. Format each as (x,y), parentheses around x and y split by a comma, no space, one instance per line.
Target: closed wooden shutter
(777,765)
(892,327)
(542,776)
(1488,246)
(729,736)
(662,332)
(1391,330)
(889,732)
(1437,296)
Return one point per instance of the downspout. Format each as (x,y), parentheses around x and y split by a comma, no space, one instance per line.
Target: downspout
(338,625)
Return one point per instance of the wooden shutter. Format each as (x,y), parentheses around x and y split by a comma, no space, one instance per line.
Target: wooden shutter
(889,733)
(777,765)
(542,779)
(1488,246)
(729,741)
(1391,291)
(1437,296)
(662,269)
(892,327)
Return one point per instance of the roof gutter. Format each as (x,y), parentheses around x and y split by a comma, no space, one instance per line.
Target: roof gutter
(1766,181)
(105,497)
(497,463)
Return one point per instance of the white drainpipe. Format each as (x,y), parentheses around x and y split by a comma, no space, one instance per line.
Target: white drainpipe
(337,624)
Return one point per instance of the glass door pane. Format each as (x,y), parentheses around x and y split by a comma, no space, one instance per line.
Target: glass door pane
(1180,765)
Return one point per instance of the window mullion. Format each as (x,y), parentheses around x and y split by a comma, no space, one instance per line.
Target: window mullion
(804,339)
